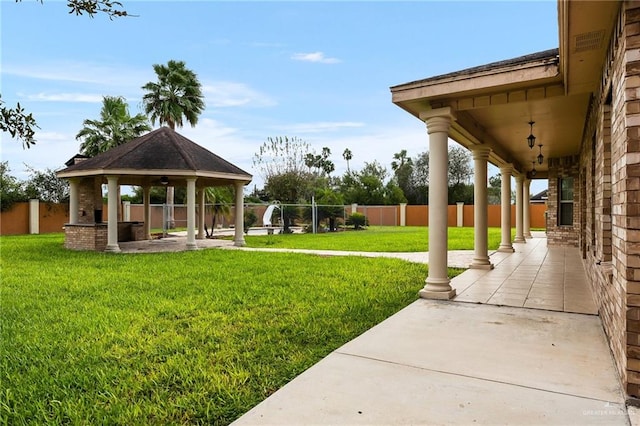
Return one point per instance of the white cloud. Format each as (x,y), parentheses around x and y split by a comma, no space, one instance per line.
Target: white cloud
(314,57)
(81,72)
(232,94)
(63,97)
(319,127)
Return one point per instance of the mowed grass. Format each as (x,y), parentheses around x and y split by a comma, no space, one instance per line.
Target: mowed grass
(175,338)
(374,239)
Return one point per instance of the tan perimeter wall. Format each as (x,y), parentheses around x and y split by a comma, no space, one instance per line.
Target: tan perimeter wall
(54,216)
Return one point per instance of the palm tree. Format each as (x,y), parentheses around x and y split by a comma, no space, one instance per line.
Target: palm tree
(347,155)
(114,127)
(220,199)
(177,95)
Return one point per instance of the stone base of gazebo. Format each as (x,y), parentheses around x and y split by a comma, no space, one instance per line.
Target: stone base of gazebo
(94,236)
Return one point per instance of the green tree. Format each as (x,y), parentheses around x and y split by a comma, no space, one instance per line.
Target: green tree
(494,190)
(348,156)
(46,186)
(220,199)
(419,187)
(11,189)
(370,186)
(176,96)
(114,127)
(402,167)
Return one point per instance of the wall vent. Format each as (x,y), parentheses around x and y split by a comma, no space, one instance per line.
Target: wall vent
(588,41)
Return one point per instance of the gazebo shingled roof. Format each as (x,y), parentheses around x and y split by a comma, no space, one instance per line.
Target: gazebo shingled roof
(162,152)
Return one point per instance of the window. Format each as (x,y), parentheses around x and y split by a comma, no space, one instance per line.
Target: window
(565,216)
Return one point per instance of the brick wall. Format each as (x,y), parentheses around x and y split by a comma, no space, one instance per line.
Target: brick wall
(625,169)
(567,235)
(86,237)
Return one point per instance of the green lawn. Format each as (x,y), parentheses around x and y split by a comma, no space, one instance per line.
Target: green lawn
(374,238)
(172,338)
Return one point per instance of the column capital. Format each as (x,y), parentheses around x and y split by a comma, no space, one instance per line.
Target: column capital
(438,120)
(519,178)
(480,152)
(506,168)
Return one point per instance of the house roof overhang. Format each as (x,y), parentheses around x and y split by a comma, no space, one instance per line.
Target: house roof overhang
(494,103)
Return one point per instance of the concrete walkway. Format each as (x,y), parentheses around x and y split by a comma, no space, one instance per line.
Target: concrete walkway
(447,363)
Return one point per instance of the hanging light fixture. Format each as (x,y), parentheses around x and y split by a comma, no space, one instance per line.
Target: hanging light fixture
(164,180)
(531,140)
(533,170)
(540,156)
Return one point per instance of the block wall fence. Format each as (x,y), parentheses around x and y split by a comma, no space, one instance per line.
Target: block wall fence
(52,217)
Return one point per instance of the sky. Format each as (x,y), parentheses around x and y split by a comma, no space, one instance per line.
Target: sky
(318,71)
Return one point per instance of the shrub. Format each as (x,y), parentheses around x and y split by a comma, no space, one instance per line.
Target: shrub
(250,219)
(357,220)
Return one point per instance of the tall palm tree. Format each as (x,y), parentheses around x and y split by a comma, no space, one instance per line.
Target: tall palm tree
(177,95)
(347,155)
(114,127)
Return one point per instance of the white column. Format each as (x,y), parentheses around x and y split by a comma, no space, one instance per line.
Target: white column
(459,214)
(519,210)
(112,209)
(34,216)
(480,201)
(191,214)
(354,208)
(146,201)
(201,213)
(126,211)
(403,214)
(238,239)
(74,202)
(437,283)
(505,204)
(526,195)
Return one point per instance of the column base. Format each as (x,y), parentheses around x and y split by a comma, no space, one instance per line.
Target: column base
(519,240)
(528,235)
(506,249)
(192,246)
(239,243)
(437,295)
(113,248)
(485,266)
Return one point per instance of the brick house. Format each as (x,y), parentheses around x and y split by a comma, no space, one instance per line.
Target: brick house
(577,110)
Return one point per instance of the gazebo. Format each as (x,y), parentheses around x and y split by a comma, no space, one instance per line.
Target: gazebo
(160,158)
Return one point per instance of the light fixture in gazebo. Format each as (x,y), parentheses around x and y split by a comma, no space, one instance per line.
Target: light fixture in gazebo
(533,170)
(164,180)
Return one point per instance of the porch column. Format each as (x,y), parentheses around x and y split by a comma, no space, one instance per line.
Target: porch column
(238,239)
(526,195)
(74,202)
(480,201)
(112,212)
(519,210)
(146,200)
(191,214)
(505,205)
(201,214)
(437,283)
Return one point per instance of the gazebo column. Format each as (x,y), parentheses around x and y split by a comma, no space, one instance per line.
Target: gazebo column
(191,214)
(74,202)
(481,230)
(112,209)
(437,283)
(201,214)
(146,200)
(519,210)
(526,195)
(238,239)
(505,205)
